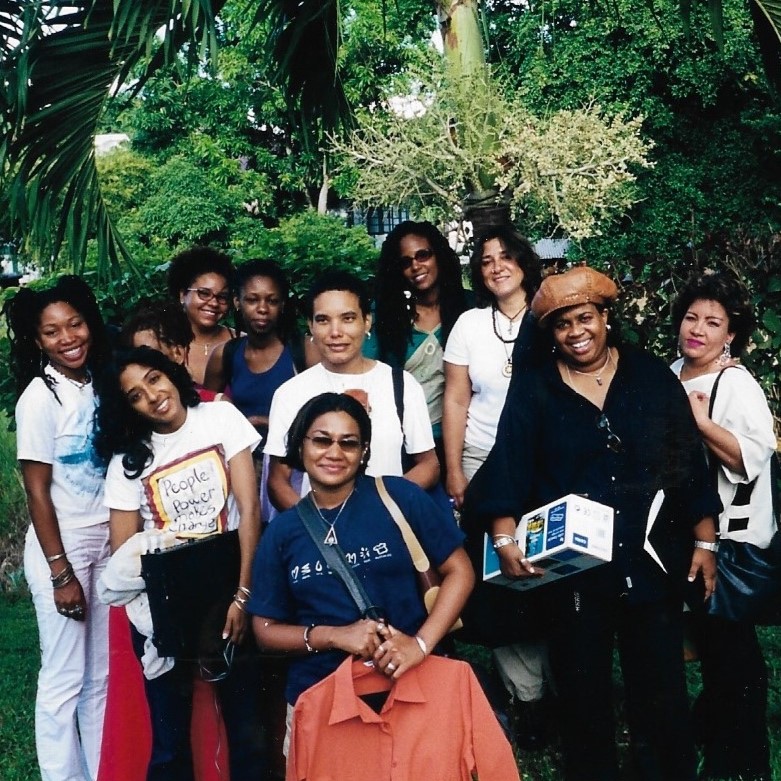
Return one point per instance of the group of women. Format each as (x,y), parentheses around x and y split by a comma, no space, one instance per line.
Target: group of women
(508,405)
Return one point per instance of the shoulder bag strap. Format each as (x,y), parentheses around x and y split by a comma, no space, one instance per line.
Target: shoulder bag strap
(419,558)
(336,560)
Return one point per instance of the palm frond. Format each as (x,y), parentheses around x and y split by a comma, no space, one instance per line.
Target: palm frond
(64,71)
(772,10)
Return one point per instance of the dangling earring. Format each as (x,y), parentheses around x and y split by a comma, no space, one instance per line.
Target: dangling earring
(311,338)
(726,355)
(608,326)
(368,334)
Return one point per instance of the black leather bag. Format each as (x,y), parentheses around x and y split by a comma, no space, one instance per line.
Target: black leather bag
(748,584)
(190,588)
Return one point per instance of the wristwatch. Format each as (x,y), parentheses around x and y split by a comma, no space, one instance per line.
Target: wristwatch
(713,547)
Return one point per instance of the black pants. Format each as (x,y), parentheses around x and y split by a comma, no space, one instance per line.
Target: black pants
(170,707)
(731,712)
(650,644)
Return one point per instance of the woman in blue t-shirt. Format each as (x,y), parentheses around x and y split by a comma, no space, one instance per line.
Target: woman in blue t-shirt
(251,367)
(300,607)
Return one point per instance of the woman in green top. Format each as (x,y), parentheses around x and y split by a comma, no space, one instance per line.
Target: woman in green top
(418,298)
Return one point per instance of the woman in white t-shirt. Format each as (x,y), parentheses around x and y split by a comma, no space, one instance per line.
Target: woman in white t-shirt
(339,320)
(181,466)
(479,359)
(714,321)
(58,341)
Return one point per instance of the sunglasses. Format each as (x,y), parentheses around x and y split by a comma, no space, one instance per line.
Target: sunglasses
(324,442)
(219,669)
(204,294)
(405,261)
(613,441)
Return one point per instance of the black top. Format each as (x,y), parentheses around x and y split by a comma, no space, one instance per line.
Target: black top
(550,443)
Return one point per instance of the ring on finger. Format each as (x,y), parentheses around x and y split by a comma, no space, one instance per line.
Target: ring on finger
(391,667)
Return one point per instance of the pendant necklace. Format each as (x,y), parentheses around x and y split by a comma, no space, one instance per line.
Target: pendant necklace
(330,537)
(507,369)
(597,374)
(80,384)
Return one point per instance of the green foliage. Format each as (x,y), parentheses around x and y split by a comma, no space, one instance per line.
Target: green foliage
(308,243)
(13,512)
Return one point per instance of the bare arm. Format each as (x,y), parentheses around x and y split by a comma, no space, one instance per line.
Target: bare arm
(282,494)
(722,443)
(245,491)
(399,652)
(360,638)
(425,472)
(123,524)
(458,394)
(703,560)
(213,378)
(37,478)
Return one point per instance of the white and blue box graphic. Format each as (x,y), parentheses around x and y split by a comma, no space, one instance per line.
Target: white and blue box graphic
(567,536)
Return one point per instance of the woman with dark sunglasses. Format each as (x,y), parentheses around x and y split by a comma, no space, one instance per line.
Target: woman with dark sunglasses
(300,609)
(199,279)
(418,295)
(599,419)
(177,465)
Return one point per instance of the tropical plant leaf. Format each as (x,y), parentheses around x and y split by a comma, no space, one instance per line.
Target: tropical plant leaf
(772,10)
(59,77)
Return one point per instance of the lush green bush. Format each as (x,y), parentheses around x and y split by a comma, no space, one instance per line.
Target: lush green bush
(13,512)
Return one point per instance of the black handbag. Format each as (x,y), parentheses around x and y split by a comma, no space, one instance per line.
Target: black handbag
(190,588)
(748,583)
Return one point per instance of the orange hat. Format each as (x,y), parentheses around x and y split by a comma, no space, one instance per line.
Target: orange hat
(580,285)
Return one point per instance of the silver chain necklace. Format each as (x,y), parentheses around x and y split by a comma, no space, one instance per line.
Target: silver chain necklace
(330,537)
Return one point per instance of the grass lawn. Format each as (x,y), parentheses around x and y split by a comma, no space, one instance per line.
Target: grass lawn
(19,666)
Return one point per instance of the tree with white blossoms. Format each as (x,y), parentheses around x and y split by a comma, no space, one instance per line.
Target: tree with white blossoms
(459,142)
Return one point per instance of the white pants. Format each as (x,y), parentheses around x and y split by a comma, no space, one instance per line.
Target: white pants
(71,698)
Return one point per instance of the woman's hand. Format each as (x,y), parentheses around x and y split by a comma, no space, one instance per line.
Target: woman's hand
(456,487)
(515,565)
(397,653)
(235,624)
(699,402)
(359,639)
(704,561)
(70,601)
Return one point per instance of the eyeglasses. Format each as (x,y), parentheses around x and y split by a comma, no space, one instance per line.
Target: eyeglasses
(207,295)
(323,442)
(219,669)
(613,441)
(405,261)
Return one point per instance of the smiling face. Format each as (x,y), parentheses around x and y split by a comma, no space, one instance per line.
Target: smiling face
(338,328)
(580,335)
(418,263)
(333,465)
(704,331)
(261,305)
(206,302)
(152,395)
(501,273)
(64,338)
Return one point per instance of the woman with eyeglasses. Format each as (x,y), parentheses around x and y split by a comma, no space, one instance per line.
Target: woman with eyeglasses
(714,320)
(418,297)
(602,420)
(199,279)
(301,609)
(178,465)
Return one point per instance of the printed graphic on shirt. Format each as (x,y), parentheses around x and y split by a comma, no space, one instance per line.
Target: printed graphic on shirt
(188,496)
(307,569)
(75,453)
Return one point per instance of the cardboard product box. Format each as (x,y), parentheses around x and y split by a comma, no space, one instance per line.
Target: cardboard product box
(567,536)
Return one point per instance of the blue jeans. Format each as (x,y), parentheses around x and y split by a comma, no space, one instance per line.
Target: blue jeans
(170,706)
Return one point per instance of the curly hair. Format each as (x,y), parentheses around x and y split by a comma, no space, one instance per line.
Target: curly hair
(519,249)
(119,428)
(336,279)
(187,266)
(165,319)
(726,289)
(321,405)
(23,316)
(394,297)
(260,267)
